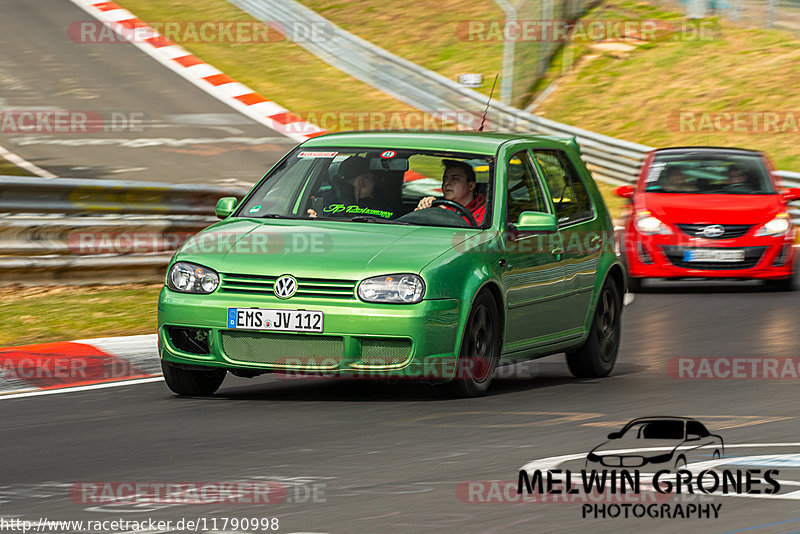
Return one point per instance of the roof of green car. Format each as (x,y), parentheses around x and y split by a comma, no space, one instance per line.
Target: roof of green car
(473,142)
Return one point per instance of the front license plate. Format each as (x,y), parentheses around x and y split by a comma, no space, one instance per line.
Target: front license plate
(720,255)
(277,320)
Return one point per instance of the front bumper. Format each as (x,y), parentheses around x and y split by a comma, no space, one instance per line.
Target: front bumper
(660,256)
(415,341)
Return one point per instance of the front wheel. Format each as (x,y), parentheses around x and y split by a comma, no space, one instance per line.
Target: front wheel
(480,349)
(782,284)
(598,354)
(191,382)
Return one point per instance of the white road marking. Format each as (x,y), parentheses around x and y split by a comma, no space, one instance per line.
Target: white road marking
(629,298)
(83,388)
(25,164)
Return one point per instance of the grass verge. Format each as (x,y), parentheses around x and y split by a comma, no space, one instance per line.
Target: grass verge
(9,169)
(638,94)
(432,34)
(62,313)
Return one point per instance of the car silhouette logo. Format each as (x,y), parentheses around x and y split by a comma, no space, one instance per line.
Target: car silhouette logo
(714,230)
(674,441)
(285,287)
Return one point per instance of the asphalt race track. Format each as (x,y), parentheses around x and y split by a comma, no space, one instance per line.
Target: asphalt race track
(156,126)
(358,456)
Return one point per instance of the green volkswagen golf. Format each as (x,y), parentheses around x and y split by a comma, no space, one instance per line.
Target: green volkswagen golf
(424,256)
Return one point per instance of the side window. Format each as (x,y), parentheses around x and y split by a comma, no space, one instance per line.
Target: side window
(524,191)
(695,427)
(569,194)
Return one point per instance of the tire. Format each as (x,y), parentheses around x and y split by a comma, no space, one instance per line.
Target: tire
(635,284)
(597,356)
(190,382)
(480,349)
(782,284)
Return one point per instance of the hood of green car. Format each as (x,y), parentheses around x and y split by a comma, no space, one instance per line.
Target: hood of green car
(319,248)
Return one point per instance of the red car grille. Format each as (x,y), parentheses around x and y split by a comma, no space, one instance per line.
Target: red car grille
(731,230)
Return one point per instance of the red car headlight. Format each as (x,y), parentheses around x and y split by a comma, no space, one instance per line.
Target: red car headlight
(647,224)
(777,226)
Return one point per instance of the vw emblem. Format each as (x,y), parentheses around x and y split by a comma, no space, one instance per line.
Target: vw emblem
(714,230)
(285,286)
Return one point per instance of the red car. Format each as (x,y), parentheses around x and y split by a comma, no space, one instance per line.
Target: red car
(708,212)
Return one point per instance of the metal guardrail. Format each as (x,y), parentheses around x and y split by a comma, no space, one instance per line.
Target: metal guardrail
(72,195)
(62,230)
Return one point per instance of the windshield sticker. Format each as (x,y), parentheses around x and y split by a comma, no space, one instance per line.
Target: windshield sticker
(317,154)
(388,154)
(255,209)
(341,208)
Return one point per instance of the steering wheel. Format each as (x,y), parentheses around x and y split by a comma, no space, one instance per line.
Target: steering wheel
(743,186)
(464,212)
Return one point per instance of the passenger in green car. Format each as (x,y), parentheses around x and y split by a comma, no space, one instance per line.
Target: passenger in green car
(359,191)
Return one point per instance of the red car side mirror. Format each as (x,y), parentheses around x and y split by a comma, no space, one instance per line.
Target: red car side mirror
(793,193)
(624,191)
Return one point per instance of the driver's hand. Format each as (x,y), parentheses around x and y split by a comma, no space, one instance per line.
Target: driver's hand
(425,203)
(312,213)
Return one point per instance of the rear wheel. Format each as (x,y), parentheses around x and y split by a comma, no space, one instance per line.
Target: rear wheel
(597,356)
(196,383)
(480,349)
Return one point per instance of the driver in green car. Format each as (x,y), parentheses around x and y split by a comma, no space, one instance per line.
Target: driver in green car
(459,185)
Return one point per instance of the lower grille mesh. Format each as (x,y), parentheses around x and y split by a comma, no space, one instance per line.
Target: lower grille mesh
(283,349)
(384,351)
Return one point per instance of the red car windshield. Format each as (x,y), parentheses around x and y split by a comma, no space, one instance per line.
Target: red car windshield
(693,173)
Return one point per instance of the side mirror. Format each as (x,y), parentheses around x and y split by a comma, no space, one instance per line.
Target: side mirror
(534,221)
(791,194)
(614,435)
(624,191)
(692,437)
(225,206)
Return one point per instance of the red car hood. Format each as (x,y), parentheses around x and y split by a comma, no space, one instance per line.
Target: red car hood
(681,208)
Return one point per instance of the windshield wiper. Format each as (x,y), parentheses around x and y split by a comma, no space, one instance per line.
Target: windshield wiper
(274,216)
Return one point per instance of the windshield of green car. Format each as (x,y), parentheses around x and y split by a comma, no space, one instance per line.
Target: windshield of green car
(712,173)
(384,185)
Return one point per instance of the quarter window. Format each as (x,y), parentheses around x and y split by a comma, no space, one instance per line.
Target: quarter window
(570,197)
(524,191)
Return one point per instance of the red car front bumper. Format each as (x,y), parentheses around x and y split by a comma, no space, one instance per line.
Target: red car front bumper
(661,256)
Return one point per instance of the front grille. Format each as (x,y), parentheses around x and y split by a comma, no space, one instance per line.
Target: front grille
(731,230)
(384,351)
(290,350)
(751,257)
(306,287)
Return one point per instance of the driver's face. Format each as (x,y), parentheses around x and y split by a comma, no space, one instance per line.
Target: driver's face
(456,186)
